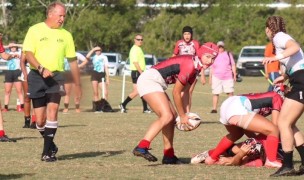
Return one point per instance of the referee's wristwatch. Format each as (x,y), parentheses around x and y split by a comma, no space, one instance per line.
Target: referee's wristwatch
(40,68)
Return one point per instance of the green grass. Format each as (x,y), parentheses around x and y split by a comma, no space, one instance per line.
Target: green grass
(98,146)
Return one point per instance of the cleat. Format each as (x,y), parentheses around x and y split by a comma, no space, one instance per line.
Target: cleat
(171,160)
(284,171)
(143,152)
(4,110)
(122,108)
(48,158)
(33,125)
(5,138)
(213,111)
(199,158)
(65,110)
(273,164)
(301,170)
(26,125)
(147,111)
(77,110)
(54,151)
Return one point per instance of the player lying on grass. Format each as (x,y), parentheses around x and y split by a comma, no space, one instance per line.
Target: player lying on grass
(248,153)
(181,71)
(248,112)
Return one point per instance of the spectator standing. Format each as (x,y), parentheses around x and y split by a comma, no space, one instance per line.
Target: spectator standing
(3,136)
(188,46)
(100,71)
(29,122)
(137,66)
(69,82)
(46,44)
(272,70)
(222,75)
(11,77)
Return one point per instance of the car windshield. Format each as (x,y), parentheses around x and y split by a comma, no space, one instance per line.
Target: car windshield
(253,53)
(111,59)
(149,61)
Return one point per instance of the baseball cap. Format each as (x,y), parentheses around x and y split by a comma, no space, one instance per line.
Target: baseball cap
(221,43)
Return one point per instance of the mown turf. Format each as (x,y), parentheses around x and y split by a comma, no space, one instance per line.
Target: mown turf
(98,146)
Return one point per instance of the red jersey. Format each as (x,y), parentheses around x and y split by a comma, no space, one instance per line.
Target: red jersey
(264,103)
(184,48)
(185,68)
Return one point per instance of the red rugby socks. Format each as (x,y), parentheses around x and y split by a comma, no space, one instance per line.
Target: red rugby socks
(144,144)
(271,147)
(222,146)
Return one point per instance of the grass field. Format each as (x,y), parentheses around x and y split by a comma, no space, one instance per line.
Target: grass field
(98,146)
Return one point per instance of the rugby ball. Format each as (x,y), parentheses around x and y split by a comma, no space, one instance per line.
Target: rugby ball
(194,120)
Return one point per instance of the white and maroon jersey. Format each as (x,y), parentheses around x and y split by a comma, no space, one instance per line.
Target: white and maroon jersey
(185,68)
(264,103)
(184,48)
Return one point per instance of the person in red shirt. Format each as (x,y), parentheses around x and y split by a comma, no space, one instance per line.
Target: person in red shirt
(182,72)
(188,46)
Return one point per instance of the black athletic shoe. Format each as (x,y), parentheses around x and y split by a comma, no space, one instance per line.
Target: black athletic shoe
(26,125)
(143,152)
(171,160)
(5,138)
(54,151)
(48,158)
(33,125)
(284,171)
(213,111)
(301,170)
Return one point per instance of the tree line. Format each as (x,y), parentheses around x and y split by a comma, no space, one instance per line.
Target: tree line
(115,22)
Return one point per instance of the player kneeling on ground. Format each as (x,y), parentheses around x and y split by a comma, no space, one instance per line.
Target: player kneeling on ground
(181,71)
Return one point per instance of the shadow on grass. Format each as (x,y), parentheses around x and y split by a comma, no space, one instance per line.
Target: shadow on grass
(184,161)
(90,110)
(21,138)
(89,154)
(72,125)
(211,122)
(14,176)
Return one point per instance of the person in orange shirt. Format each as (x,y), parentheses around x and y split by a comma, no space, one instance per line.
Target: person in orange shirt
(272,70)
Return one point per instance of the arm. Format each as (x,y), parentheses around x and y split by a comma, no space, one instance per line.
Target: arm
(292,47)
(22,66)
(236,160)
(84,60)
(203,77)
(92,51)
(34,62)
(177,91)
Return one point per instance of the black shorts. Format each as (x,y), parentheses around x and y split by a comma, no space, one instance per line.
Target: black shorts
(12,76)
(296,81)
(68,77)
(97,76)
(134,76)
(40,87)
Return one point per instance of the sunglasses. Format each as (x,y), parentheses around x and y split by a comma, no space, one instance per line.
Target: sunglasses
(140,39)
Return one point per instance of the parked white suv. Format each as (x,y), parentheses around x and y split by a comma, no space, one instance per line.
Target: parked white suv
(150,61)
(249,62)
(115,66)
(115,63)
